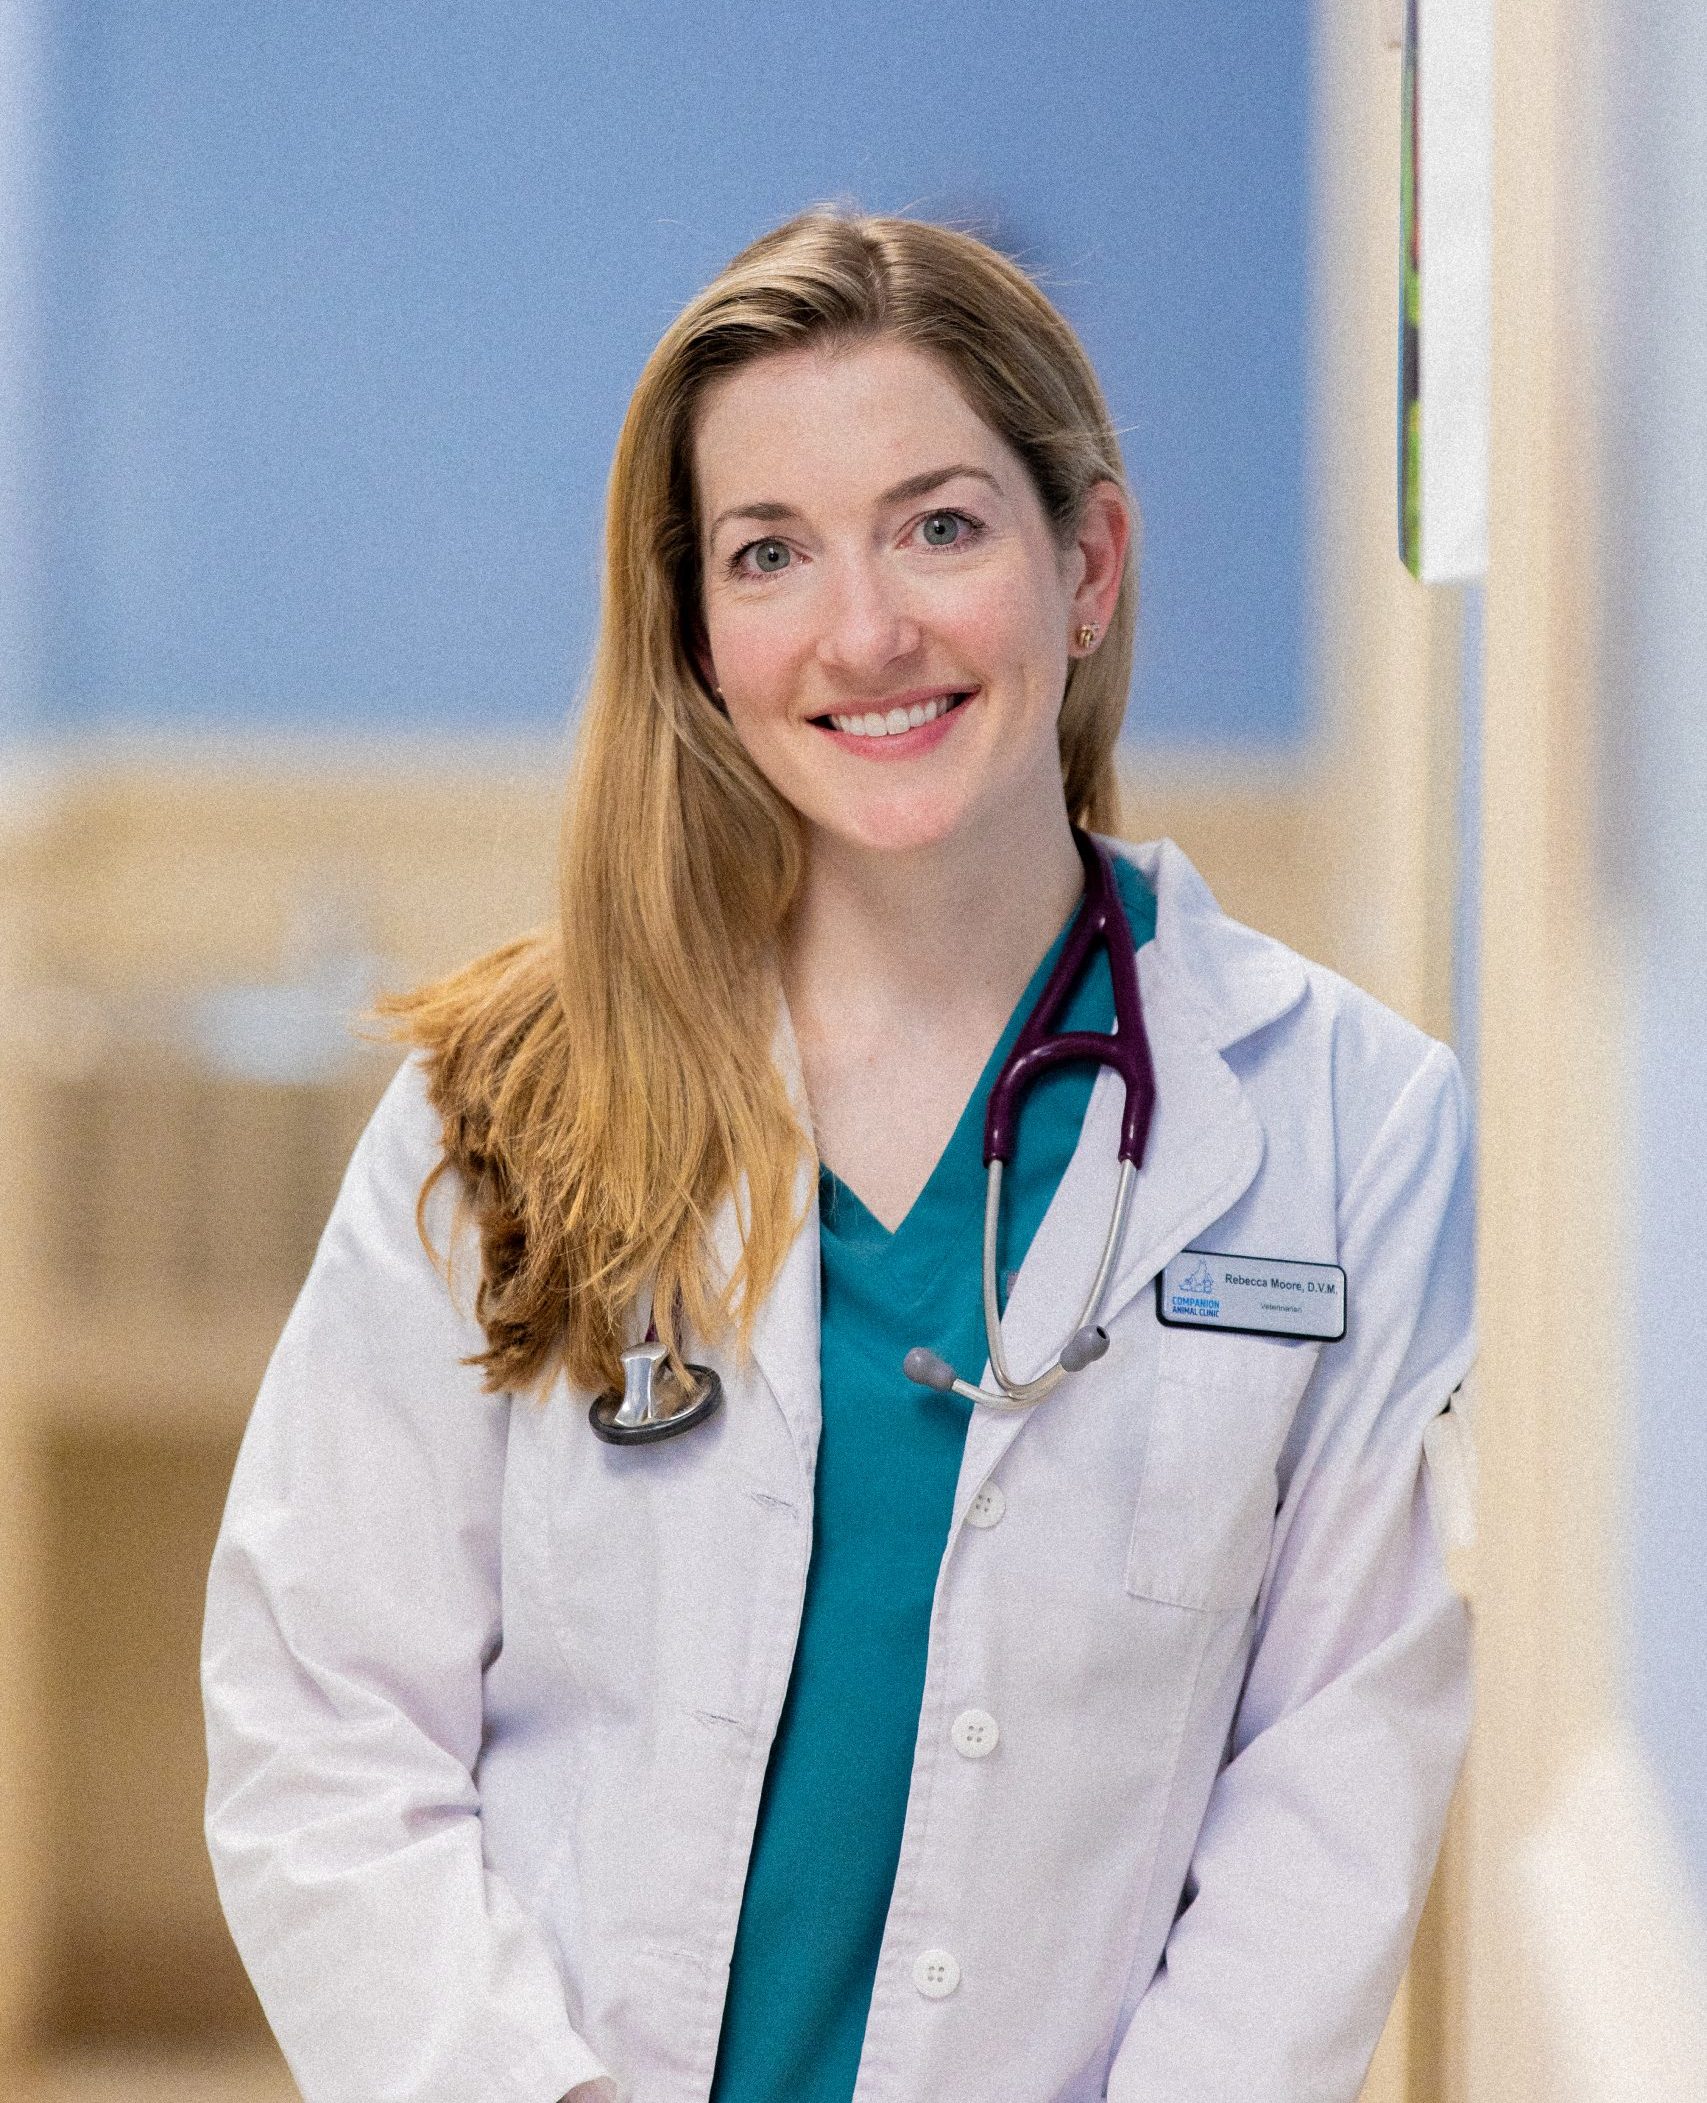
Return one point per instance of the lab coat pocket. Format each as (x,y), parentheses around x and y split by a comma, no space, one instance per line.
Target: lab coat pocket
(1208,1490)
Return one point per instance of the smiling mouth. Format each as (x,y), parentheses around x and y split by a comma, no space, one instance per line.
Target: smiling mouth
(894,722)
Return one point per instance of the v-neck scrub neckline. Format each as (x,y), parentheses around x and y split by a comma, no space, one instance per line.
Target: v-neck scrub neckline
(835,1797)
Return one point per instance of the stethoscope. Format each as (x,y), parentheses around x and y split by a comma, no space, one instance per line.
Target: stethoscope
(654,1405)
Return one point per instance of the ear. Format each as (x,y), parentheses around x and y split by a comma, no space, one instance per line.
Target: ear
(1098,553)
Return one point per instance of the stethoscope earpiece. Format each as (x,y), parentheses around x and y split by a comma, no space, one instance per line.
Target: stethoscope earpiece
(926,1369)
(1084,1347)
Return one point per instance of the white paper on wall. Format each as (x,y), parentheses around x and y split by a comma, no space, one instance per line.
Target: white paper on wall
(1446,279)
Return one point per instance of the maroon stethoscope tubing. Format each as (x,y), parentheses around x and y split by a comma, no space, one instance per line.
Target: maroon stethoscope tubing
(1101,918)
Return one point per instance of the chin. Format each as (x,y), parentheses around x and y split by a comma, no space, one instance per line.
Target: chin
(910,825)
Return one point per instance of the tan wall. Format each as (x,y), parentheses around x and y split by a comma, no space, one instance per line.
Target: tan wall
(160,1219)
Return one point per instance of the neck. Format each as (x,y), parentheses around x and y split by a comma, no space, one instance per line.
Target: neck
(881,939)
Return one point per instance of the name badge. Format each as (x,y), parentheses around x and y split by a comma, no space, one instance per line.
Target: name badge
(1254,1295)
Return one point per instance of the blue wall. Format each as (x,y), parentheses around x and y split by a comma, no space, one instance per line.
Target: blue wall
(344,305)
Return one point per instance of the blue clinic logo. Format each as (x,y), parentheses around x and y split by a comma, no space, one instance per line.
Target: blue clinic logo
(1200,1281)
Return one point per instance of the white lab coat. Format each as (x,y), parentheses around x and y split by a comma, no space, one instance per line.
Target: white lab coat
(490,1702)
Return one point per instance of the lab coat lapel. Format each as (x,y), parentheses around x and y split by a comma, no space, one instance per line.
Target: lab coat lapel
(1205,1144)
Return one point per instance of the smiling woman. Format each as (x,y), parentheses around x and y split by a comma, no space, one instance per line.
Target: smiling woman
(927,1738)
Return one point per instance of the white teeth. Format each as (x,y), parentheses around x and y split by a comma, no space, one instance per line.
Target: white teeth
(895,721)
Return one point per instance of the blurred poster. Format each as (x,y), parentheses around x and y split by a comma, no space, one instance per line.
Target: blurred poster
(1444,274)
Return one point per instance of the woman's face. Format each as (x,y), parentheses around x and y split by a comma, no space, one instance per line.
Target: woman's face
(887,611)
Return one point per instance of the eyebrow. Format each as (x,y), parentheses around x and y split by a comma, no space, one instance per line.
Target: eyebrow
(770,513)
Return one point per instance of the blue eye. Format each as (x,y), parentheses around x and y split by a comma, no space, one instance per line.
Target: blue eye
(769,557)
(946,529)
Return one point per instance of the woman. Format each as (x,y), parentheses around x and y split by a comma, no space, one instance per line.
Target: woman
(1096,1747)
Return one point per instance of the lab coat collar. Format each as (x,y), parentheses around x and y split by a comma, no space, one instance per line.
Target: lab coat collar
(1239,981)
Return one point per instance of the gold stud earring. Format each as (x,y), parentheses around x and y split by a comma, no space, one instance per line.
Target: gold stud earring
(1086,636)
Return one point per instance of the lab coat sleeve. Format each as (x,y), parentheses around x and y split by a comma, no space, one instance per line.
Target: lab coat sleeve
(1314,1856)
(352,1606)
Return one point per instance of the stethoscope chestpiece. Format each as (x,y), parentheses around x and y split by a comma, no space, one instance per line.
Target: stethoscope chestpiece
(642,1412)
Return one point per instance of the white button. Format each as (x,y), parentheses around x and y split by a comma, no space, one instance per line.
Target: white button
(974,1733)
(987,1507)
(935,1974)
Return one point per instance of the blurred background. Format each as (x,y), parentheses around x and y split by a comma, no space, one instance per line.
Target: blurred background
(316,329)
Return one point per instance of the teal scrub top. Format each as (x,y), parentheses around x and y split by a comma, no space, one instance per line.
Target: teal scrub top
(835,1796)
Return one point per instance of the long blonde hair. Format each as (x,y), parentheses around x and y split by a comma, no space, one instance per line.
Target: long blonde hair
(607,1085)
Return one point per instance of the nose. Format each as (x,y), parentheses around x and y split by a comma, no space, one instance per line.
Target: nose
(868,625)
